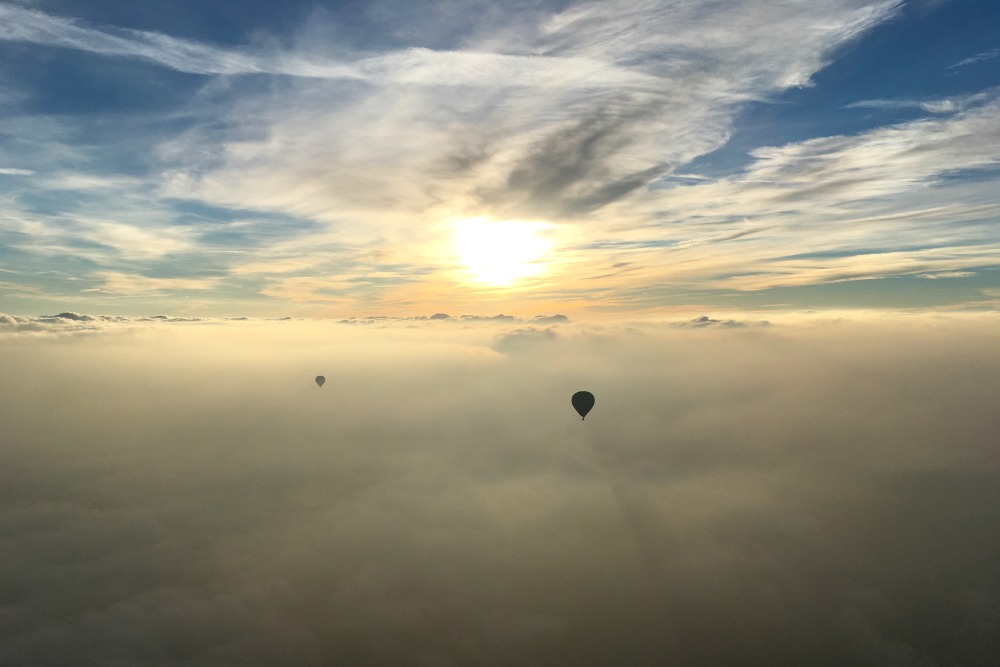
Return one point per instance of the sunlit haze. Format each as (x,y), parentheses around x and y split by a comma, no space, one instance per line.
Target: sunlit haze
(500,252)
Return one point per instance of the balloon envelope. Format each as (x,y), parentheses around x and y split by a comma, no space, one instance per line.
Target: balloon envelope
(320,380)
(583,401)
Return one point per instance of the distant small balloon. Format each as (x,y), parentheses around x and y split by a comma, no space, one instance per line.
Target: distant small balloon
(583,402)
(320,380)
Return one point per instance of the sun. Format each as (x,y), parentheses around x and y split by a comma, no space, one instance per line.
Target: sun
(500,253)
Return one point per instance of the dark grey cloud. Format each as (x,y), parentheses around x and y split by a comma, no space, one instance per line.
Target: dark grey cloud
(76,317)
(550,319)
(170,318)
(823,495)
(705,321)
(69,322)
(567,171)
(63,322)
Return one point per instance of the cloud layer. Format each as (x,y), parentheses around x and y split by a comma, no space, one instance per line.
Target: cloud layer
(815,491)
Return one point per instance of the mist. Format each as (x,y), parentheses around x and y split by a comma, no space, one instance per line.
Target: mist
(817,490)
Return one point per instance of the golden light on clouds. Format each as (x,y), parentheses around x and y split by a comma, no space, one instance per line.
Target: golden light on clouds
(500,252)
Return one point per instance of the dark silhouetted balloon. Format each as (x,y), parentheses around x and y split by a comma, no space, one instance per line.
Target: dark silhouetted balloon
(320,380)
(583,401)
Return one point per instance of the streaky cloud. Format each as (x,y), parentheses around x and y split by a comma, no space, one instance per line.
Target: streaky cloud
(944,105)
(978,58)
(414,66)
(33,26)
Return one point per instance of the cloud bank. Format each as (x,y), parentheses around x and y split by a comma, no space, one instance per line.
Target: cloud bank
(818,491)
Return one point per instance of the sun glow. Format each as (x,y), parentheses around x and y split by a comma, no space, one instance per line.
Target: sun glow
(500,253)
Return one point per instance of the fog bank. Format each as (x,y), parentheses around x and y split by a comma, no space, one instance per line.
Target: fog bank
(818,491)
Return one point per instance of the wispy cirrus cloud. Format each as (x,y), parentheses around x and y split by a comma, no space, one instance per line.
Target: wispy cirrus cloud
(20,24)
(885,160)
(511,150)
(944,105)
(979,57)
(887,201)
(415,66)
(100,240)
(137,285)
(949,274)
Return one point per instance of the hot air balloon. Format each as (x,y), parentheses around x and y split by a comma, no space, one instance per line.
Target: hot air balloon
(583,401)
(320,380)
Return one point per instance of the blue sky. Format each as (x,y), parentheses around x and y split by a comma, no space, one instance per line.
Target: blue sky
(356,158)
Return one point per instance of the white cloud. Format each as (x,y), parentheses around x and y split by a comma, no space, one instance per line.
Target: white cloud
(949,274)
(386,164)
(28,25)
(131,285)
(886,201)
(979,57)
(418,66)
(944,105)
(102,240)
(882,161)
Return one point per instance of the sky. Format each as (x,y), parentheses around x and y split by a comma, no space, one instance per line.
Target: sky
(763,234)
(352,159)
